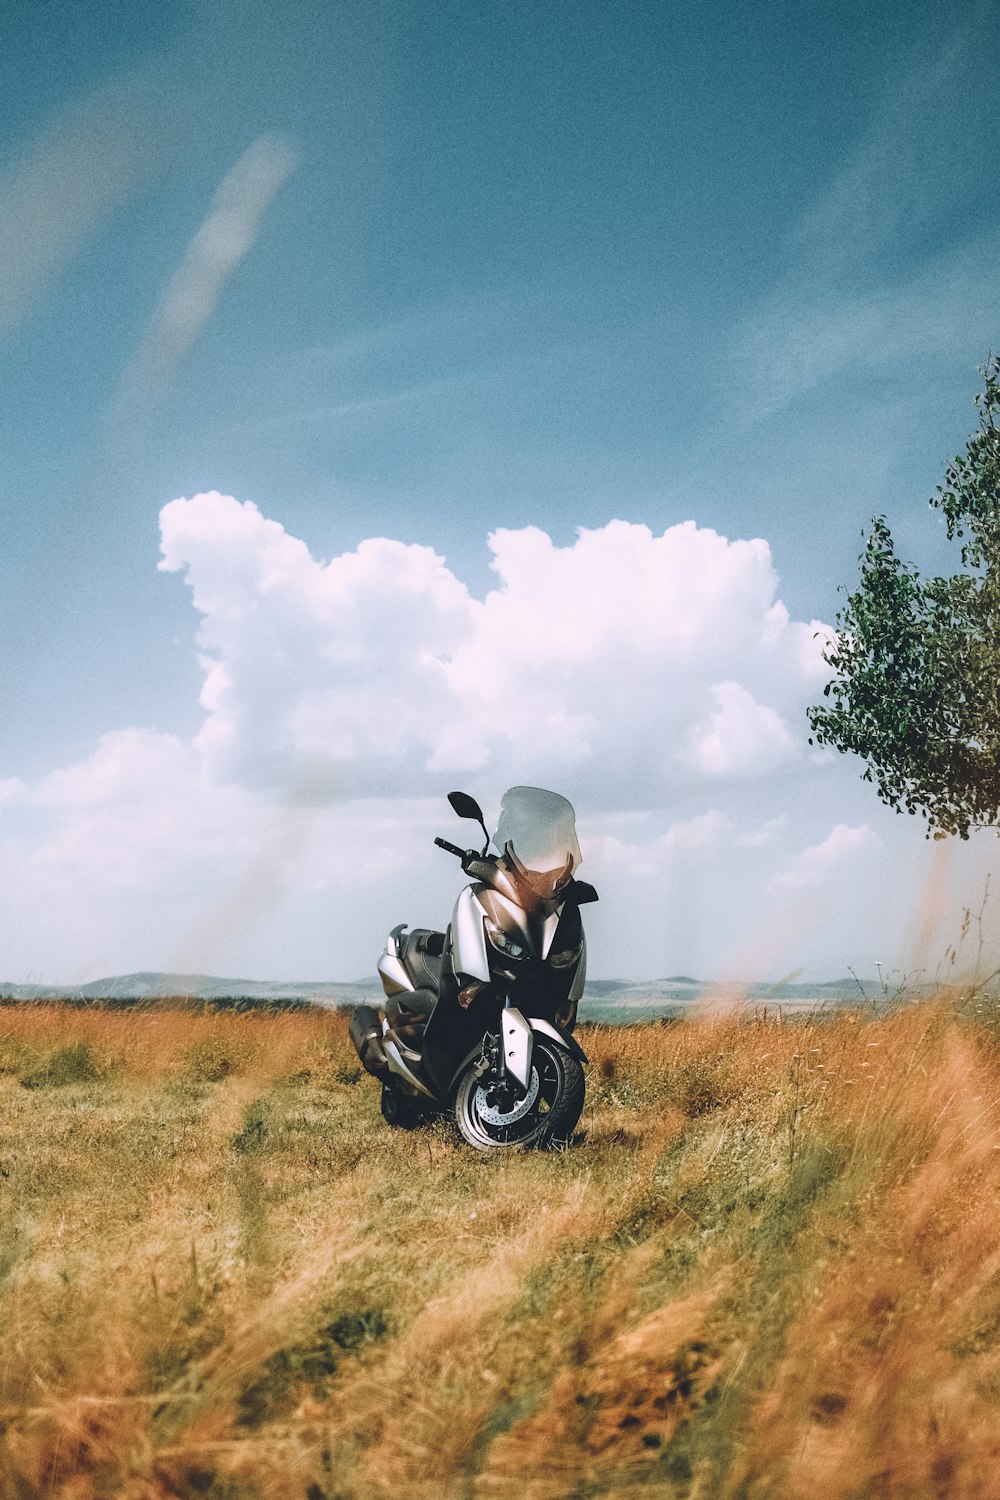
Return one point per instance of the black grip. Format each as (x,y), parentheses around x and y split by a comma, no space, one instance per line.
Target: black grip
(451,848)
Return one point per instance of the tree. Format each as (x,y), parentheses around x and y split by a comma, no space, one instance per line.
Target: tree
(916,660)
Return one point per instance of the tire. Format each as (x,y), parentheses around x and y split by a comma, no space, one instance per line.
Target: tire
(558,1082)
(400,1110)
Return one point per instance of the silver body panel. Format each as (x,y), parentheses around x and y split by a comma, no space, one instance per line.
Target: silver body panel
(468,937)
(471,959)
(549,931)
(395,980)
(398,1064)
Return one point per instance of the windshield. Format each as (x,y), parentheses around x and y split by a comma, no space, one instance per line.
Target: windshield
(540,827)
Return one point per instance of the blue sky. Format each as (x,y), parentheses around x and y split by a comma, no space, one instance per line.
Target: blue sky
(481,267)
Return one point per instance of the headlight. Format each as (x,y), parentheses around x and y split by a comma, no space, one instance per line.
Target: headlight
(503,943)
(564,958)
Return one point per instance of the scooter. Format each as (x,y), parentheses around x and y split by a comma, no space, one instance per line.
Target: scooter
(478,1019)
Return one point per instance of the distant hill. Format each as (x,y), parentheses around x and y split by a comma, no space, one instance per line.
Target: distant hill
(605,1000)
(155,986)
(612,1002)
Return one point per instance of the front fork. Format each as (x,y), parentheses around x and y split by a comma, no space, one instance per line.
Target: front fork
(505,1065)
(517,1043)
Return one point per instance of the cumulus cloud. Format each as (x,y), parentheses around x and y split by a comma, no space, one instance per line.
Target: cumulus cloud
(616,858)
(649,677)
(766,833)
(820,862)
(742,736)
(631,661)
(135,857)
(657,680)
(142,807)
(130,814)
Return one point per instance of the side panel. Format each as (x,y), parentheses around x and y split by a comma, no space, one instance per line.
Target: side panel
(580,977)
(453,1031)
(469,956)
(395,979)
(398,1066)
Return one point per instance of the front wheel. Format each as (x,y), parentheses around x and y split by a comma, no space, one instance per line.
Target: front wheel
(487,1118)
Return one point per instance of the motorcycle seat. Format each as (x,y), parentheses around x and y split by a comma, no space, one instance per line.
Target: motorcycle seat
(422,956)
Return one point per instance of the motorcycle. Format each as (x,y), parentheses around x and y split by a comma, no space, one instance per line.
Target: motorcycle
(478,1020)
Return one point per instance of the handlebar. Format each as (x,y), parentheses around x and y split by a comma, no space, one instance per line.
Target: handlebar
(451,848)
(483,867)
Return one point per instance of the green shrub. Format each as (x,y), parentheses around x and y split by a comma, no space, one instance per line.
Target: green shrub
(210,1060)
(309,1364)
(72,1064)
(256,1130)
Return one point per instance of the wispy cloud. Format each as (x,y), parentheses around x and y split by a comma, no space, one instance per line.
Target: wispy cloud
(469,346)
(225,236)
(617,859)
(862,290)
(425,390)
(895,176)
(86,163)
(797,340)
(767,833)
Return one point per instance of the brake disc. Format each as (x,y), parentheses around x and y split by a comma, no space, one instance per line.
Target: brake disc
(492,1114)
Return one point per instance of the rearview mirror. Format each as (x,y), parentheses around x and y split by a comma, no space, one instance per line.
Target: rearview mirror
(466,806)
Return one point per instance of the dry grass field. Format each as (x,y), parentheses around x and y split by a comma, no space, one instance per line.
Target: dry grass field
(769,1265)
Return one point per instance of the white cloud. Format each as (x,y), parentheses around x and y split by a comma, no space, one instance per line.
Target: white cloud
(656,680)
(615,859)
(698,833)
(767,833)
(639,674)
(742,736)
(131,814)
(134,857)
(626,662)
(142,808)
(820,862)
(338,669)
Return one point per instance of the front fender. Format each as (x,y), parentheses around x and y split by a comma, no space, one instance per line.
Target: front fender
(561,1038)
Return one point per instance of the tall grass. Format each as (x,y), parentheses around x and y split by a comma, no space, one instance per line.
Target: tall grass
(769,1265)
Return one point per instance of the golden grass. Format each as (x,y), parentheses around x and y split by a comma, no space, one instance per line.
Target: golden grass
(768,1266)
